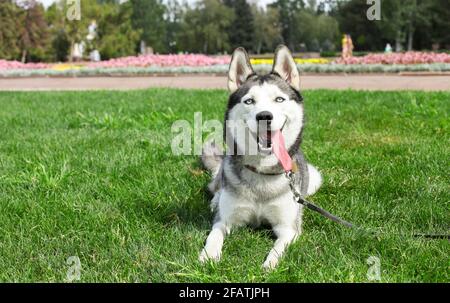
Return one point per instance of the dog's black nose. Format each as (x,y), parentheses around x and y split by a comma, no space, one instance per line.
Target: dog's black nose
(264,116)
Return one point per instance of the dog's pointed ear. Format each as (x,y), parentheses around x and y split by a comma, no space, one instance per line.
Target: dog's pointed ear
(240,69)
(284,65)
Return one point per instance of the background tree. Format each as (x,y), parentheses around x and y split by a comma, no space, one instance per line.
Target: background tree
(28,32)
(116,35)
(33,34)
(438,34)
(305,37)
(173,17)
(288,9)
(242,29)
(352,19)
(400,20)
(327,32)
(267,29)
(205,27)
(408,24)
(60,41)
(10,26)
(148,16)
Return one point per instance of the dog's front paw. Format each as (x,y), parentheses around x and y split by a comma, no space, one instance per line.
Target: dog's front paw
(270,263)
(209,255)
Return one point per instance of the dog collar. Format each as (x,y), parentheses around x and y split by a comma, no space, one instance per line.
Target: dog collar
(255,170)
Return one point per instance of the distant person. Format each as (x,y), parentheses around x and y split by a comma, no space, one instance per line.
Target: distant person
(77,52)
(347,47)
(388,48)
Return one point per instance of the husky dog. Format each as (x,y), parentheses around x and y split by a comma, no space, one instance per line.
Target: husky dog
(252,189)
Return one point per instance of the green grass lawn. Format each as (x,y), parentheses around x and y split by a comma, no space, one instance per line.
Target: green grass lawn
(91,174)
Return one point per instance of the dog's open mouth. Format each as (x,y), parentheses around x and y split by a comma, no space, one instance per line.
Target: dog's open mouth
(266,138)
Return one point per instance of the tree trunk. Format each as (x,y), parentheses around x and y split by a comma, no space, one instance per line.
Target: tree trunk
(410,37)
(71,51)
(398,42)
(411,18)
(24,56)
(258,51)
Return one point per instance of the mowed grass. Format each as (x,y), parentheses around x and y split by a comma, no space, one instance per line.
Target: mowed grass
(92,175)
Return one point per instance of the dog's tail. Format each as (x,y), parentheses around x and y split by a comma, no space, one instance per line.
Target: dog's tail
(212,156)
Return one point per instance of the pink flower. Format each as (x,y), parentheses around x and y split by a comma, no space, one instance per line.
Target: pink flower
(398,58)
(133,61)
(4,64)
(162,60)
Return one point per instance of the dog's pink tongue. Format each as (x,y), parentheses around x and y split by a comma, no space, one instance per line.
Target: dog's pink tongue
(279,149)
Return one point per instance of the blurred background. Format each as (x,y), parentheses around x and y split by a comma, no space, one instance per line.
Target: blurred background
(42,31)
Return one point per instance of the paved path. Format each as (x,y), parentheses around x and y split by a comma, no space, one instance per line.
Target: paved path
(358,82)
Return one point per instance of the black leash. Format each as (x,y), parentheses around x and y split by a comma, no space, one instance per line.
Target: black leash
(299,199)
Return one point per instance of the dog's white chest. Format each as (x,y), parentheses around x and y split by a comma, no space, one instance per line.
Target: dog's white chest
(241,210)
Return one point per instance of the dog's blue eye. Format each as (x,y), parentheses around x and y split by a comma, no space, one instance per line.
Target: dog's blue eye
(249,101)
(279,99)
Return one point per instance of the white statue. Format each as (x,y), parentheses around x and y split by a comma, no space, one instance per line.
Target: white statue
(92,31)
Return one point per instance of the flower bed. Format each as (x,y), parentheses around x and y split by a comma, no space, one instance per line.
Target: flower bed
(398,58)
(162,60)
(6,65)
(297,60)
(148,61)
(202,64)
(223,69)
